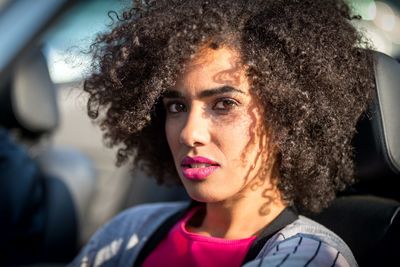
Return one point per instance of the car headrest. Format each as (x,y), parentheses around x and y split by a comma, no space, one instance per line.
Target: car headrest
(377,143)
(387,108)
(34,95)
(29,99)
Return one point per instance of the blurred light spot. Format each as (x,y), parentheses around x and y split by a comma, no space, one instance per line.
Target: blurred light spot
(385,17)
(365,8)
(371,11)
(395,33)
(65,66)
(380,42)
(379,39)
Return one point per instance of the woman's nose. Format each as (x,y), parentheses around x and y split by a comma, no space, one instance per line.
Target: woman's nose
(195,131)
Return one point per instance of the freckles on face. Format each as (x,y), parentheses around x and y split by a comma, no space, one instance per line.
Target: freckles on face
(211,114)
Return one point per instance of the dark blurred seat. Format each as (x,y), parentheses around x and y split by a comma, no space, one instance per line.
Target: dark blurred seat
(63,180)
(367,217)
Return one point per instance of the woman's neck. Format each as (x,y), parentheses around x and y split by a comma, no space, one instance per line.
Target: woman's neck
(238,218)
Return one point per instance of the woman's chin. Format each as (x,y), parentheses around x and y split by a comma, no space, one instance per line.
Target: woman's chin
(203,197)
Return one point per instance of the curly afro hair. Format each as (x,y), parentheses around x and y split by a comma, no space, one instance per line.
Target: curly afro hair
(305,66)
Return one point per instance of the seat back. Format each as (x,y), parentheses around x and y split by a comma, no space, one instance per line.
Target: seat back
(28,104)
(368,224)
(368,216)
(28,101)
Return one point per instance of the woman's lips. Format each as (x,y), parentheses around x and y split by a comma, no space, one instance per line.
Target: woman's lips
(198,168)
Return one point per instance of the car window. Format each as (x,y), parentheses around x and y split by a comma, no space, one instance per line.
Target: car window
(67,42)
(65,46)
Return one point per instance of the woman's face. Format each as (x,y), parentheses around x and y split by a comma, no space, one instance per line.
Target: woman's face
(215,128)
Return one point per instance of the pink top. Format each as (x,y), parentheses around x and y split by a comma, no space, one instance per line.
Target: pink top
(182,248)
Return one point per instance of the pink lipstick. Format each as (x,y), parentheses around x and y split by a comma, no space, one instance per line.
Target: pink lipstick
(198,168)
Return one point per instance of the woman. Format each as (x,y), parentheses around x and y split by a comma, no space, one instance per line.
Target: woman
(251,106)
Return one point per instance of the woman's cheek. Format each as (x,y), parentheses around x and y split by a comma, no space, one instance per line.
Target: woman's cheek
(235,136)
(172,133)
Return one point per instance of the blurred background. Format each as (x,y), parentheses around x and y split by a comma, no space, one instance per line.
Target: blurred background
(68,28)
(380,23)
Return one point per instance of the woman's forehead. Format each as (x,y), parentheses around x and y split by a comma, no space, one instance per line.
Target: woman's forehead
(222,57)
(211,68)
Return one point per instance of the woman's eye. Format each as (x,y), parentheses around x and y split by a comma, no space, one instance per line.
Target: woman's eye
(176,107)
(225,104)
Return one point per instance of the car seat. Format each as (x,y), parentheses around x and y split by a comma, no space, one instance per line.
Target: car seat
(367,216)
(28,108)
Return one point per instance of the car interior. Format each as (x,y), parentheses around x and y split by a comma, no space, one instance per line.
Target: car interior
(366,215)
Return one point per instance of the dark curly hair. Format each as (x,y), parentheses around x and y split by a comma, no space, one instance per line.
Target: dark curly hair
(305,65)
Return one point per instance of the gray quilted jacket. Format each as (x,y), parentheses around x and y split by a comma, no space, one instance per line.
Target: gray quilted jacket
(301,243)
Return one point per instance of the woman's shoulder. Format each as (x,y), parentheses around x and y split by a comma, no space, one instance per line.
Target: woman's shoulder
(143,215)
(308,227)
(143,211)
(305,243)
(120,238)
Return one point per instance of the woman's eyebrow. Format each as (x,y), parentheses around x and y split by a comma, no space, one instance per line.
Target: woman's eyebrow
(204,93)
(219,90)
